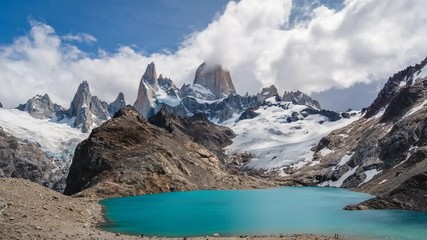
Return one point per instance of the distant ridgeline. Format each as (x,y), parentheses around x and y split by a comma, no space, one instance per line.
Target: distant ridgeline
(212,93)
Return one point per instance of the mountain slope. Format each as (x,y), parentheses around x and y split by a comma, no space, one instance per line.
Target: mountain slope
(49,145)
(281,135)
(127,155)
(384,152)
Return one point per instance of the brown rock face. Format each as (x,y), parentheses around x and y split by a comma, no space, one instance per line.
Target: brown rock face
(127,155)
(216,79)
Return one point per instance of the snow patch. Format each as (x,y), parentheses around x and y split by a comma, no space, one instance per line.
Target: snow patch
(163,97)
(340,181)
(411,150)
(415,109)
(53,137)
(369,175)
(343,161)
(421,74)
(382,182)
(325,151)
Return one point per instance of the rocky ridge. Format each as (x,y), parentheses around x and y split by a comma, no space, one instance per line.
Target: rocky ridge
(382,154)
(406,77)
(42,107)
(127,155)
(87,111)
(300,98)
(268,92)
(212,93)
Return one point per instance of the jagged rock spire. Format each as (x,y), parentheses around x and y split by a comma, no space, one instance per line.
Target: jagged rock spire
(147,89)
(81,99)
(150,76)
(87,109)
(216,79)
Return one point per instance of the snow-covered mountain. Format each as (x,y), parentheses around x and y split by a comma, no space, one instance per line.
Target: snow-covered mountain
(281,135)
(56,139)
(384,151)
(52,132)
(277,133)
(85,112)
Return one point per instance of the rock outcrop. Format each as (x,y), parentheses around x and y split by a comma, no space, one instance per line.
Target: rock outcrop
(301,99)
(42,107)
(1,105)
(88,110)
(405,77)
(118,104)
(384,154)
(127,155)
(411,194)
(248,114)
(22,159)
(268,92)
(216,79)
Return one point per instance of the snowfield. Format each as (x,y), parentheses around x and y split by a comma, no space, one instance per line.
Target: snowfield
(274,142)
(53,137)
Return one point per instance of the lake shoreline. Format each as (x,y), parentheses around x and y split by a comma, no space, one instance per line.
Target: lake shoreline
(31,211)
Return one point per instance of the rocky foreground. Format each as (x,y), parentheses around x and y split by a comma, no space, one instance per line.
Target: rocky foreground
(31,211)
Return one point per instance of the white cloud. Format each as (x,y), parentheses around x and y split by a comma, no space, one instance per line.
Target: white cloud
(364,42)
(80,37)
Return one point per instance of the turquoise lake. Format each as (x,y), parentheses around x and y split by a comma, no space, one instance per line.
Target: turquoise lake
(276,211)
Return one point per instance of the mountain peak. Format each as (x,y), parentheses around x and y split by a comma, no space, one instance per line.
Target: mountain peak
(150,76)
(300,98)
(87,109)
(40,106)
(118,104)
(216,79)
(268,92)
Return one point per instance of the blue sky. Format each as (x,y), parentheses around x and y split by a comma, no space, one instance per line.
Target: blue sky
(149,25)
(341,52)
